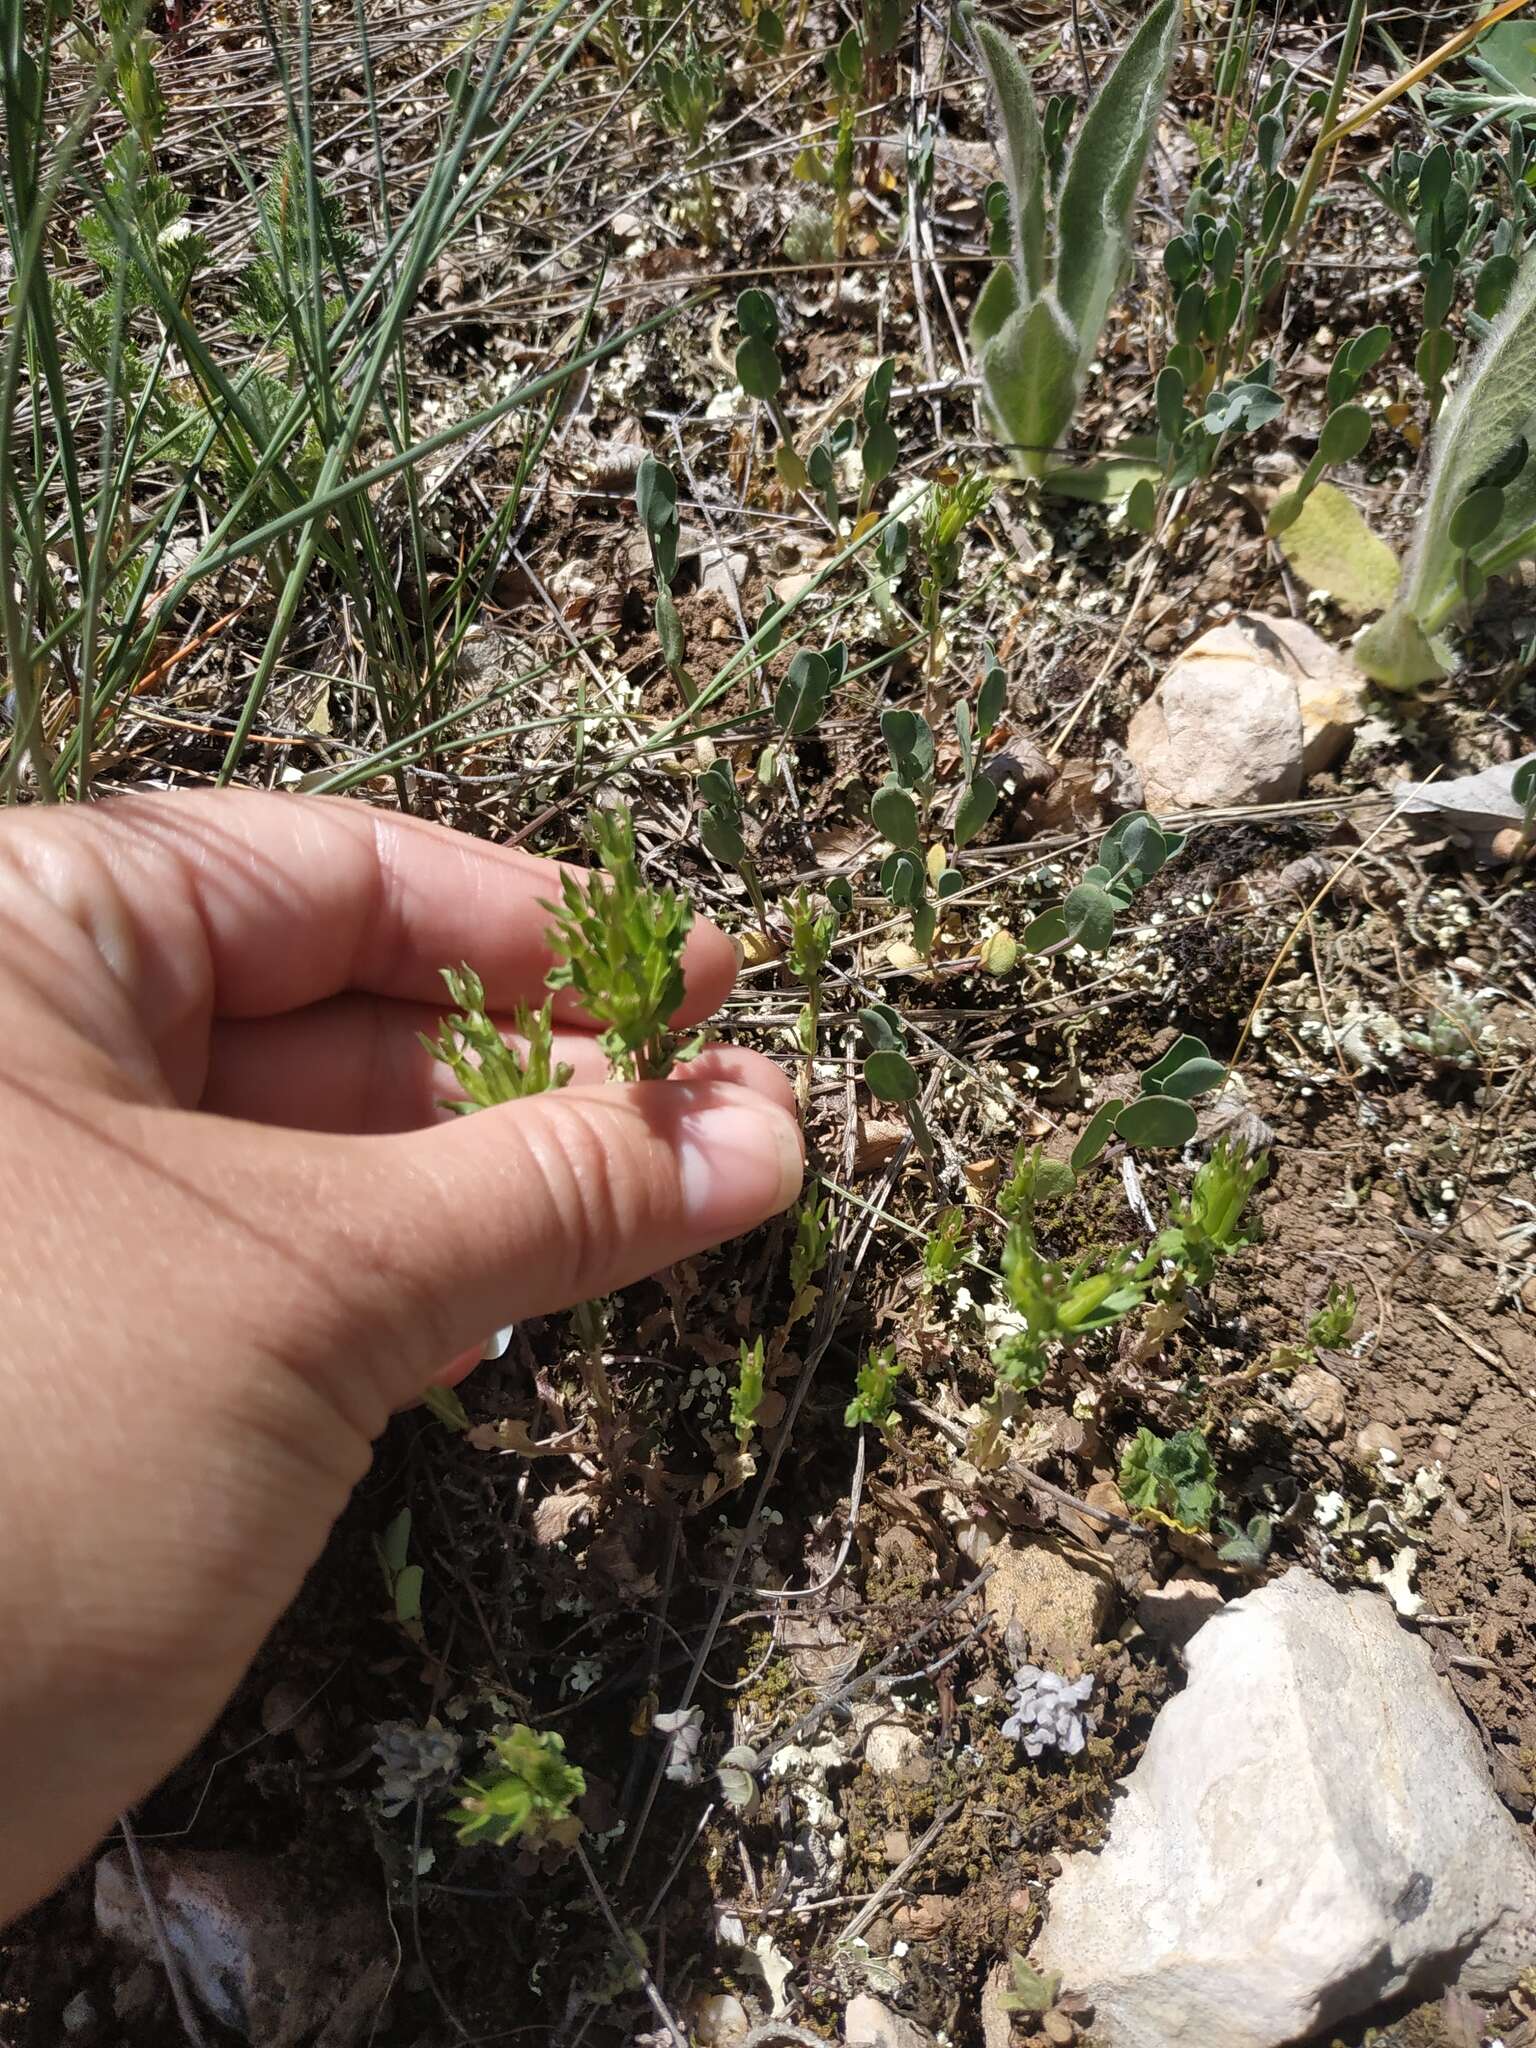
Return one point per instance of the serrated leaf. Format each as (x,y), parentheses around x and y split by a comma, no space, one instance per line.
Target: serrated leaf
(1161,1121)
(1331,547)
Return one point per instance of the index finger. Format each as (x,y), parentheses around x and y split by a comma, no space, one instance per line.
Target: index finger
(240,903)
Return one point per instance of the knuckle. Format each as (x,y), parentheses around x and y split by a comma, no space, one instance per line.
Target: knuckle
(597,1175)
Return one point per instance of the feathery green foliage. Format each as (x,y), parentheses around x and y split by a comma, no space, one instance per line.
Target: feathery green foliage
(529,1798)
(488,1069)
(621,946)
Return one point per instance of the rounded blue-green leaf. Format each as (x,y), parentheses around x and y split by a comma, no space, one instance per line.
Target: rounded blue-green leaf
(1195,1077)
(1157,1120)
(1184,1048)
(895,815)
(879,452)
(976,806)
(820,466)
(757,315)
(904,879)
(770,30)
(1189,313)
(669,630)
(1345,433)
(722,837)
(881,1027)
(877,392)
(757,368)
(717,786)
(1089,915)
(892,1077)
(1141,506)
(1097,1134)
(802,696)
(1047,930)
(950,883)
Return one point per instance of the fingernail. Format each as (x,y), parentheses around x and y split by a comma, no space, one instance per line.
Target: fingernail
(741,1162)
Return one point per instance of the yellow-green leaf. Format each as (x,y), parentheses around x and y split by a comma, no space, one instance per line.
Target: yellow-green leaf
(1331,548)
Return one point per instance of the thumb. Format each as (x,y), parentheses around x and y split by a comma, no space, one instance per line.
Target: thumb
(540,1204)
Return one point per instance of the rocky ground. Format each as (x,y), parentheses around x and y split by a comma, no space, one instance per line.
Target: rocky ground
(1024,1764)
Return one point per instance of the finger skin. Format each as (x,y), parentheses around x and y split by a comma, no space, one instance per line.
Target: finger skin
(248,904)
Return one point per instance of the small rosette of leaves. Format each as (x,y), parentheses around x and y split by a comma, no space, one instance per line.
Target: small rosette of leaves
(1059,1303)
(1171,1478)
(487,1069)
(1208,1224)
(874,1396)
(619,947)
(529,1798)
(1130,854)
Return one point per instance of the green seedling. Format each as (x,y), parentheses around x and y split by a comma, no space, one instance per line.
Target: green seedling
(815,1221)
(1478,519)
(686,94)
(487,1069)
(1130,854)
(1029,1990)
(879,449)
(720,829)
(1038,319)
(899,809)
(619,946)
(1032,1179)
(946,1251)
(1059,1303)
(402,1580)
(529,1798)
(1330,1326)
(1248,1549)
(1208,1224)
(1159,1117)
(747,1394)
(822,462)
(978,794)
(948,511)
(761,376)
(874,1397)
(889,1074)
(656,504)
(811,935)
(1172,1478)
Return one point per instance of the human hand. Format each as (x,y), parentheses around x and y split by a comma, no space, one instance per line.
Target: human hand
(240,1232)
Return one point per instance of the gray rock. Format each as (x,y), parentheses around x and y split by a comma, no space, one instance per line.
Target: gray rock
(1310,1832)
(1049,1598)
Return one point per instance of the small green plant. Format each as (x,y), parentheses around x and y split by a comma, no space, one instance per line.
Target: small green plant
(1039,317)
(814,1224)
(1478,519)
(978,794)
(720,829)
(1345,431)
(529,1798)
(889,1074)
(747,1394)
(656,504)
(402,1579)
(1173,1478)
(1029,1990)
(686,92)
(1032,1179)
(1131,852)
(1247,1548)
(808,683)
(1208,1224)
(812,931)
(761,376)
(621,950)
(487,1069)
(874,1397)
(1059,1303)
(879,449)
(948,511)
(946,1250)
(1329,1327)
